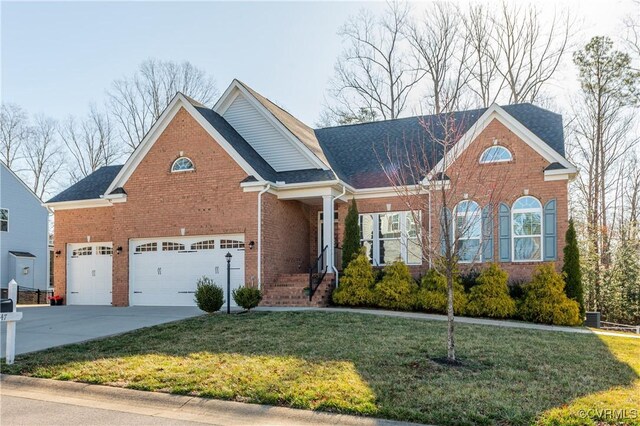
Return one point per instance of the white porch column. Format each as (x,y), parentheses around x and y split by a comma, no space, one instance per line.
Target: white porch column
(327,230)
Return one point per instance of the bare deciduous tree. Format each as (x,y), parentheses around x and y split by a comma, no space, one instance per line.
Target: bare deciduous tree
(440,179)
(527,50)
(90,143)
(374,74)
(43,155)
(14,130)
(443,52)
(137,101)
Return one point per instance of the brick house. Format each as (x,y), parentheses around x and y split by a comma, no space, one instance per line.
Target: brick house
(249,179)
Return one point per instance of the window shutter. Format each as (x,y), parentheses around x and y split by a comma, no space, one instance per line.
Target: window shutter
(487,234)
(550,237)
(505,232)
(443,244)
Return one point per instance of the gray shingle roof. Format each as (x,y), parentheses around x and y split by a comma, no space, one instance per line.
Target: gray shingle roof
(91,187)
(360,153)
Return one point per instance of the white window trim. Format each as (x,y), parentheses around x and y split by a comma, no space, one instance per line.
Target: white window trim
(513,234)
(8,218)
(193,167)
(477,259)
(496,161)
(403,238)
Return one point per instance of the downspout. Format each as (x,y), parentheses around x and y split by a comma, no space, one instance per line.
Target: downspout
(266,188)
(333,266)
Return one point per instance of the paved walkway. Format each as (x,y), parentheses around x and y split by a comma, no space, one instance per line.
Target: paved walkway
(27,401)
(43,327)
(460,320)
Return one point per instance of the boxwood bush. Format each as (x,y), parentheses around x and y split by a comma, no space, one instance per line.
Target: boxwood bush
(209,297)
(433,294)
(490,296)
(356,285)
(545,300)
(247,297)
(397,290)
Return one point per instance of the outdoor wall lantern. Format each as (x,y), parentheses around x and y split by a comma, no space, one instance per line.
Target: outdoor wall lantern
(25,270)
(251,244)
(119,250)
(58,253)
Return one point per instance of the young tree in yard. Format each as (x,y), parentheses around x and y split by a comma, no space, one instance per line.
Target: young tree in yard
(14,130)
(137,101)
(571,267)
(351,242)
(432,173)
(601,129)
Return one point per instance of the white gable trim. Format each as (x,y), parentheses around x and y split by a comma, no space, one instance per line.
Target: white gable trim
(179,101)
(235,89)
(526,135)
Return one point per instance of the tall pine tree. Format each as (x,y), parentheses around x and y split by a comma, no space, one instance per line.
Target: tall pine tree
(351,241)
(571,267)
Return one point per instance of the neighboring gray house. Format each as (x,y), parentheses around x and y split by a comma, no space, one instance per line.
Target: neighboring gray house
(24,224)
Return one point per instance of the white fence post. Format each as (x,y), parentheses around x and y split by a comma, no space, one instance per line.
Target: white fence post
(11,319)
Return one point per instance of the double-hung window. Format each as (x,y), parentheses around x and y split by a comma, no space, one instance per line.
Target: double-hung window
(391,236)
(4,220)
(468,224)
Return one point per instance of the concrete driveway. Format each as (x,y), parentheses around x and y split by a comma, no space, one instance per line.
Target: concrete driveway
(44,327)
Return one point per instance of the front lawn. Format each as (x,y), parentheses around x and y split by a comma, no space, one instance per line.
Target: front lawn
(363,364)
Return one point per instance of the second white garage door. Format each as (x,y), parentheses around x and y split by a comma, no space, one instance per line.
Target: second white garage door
(164,271)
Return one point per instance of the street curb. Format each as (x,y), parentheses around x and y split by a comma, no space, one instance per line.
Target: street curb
(179,406)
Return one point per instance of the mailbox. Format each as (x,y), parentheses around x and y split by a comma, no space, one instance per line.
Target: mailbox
(6,305)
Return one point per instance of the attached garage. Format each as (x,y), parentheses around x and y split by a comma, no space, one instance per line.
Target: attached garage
(89,273)
(165,271)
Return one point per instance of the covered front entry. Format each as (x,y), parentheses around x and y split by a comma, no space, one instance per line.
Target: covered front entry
(164,271)
(89,273)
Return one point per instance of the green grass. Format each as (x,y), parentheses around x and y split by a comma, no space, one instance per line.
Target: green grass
(362,364)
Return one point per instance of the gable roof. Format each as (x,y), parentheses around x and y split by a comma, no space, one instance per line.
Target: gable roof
(360,153)
(89,188)
(20,181)
(304,133)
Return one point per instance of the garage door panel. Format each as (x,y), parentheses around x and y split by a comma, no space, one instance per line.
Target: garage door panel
(169,275)
(89,274)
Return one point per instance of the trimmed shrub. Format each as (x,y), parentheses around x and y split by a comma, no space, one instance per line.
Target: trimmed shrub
(209,297)
(356,285)
(247,297)
(571,268)
(545,301)
(397,290)
(351,241)
(433,295)
(490,297)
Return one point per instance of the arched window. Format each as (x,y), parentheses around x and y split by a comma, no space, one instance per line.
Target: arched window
(182,164)
(467,231)
(526,220)
(495,154)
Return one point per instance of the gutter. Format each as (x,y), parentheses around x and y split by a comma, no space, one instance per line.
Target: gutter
(265,189)
(333,265)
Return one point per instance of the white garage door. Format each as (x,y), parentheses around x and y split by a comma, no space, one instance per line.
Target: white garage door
(165,271)
(89,274)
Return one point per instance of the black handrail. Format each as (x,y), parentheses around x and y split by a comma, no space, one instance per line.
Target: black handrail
(315,269)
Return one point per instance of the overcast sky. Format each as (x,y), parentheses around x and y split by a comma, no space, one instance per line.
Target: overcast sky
(59,57)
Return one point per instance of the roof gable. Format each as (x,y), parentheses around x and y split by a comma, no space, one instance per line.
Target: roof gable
(282,140)
(19,181)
